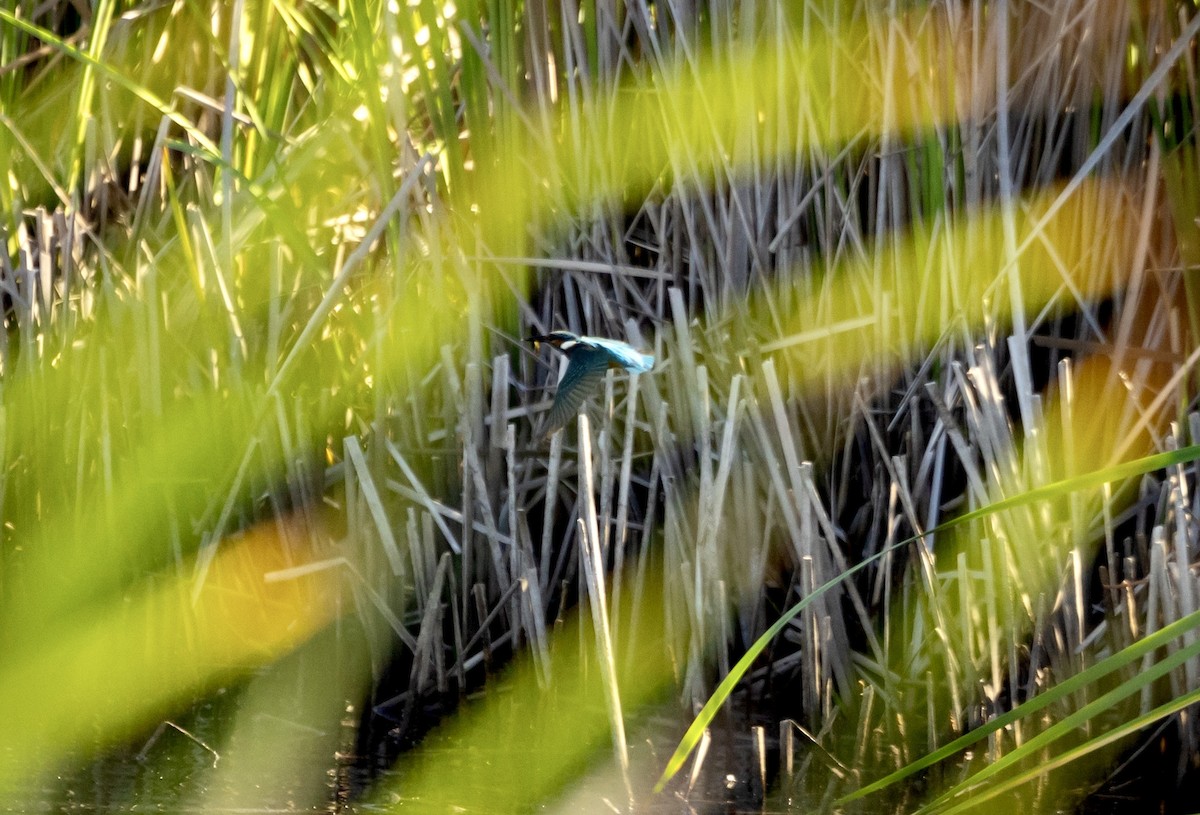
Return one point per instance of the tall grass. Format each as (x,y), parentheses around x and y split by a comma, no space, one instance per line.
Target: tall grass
(268,419)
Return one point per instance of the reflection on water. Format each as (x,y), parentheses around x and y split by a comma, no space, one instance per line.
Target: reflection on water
(186,765)
(183,766)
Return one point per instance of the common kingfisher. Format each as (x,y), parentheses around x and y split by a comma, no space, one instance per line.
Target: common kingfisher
(587,360)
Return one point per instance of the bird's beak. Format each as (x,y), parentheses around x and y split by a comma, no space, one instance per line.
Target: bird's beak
(537,342)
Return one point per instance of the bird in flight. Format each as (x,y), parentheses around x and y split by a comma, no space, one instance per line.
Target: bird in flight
(587,360)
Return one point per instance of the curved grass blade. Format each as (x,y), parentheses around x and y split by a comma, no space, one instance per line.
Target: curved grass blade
(1066,757)
(1057,489)
(692,737)
(1110,664)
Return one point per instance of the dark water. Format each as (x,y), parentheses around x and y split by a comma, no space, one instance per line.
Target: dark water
(188,765)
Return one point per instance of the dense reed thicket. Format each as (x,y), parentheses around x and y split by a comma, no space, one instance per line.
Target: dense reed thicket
(904,515)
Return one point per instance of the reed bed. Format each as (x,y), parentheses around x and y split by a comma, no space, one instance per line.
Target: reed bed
(903,518)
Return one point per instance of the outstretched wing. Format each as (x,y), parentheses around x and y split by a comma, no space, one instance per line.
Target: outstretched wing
(585,373)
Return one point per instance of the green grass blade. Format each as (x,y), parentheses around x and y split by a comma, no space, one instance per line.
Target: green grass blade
(1058,489)
(1066,757)
(109,72)
(1064,689)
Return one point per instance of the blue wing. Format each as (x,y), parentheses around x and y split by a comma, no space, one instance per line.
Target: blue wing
(585,373)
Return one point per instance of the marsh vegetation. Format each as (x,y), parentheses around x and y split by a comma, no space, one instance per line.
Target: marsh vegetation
(903,518)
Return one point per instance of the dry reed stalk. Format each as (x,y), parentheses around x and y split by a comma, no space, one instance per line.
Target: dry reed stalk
(550,505)
(591,559)
(370,495)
